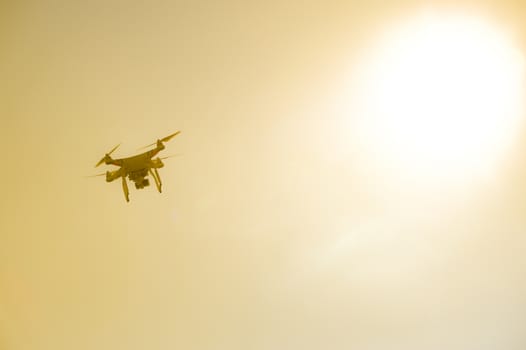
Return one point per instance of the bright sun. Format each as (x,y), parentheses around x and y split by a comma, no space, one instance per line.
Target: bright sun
(443,97)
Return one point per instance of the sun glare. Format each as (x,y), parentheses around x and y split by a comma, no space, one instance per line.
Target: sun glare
(443,97)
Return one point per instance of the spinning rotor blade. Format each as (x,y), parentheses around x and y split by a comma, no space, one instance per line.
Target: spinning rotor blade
(169,137)
(101,174)
(107,155)
(100,162)
(164,139)
(114,148)
(171,156)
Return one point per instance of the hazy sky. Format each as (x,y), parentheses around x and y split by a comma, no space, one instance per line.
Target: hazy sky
(274,229)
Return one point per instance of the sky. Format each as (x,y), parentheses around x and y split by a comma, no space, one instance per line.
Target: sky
(284,222)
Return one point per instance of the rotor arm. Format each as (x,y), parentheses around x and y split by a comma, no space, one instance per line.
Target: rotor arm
(113,175)
(160,145)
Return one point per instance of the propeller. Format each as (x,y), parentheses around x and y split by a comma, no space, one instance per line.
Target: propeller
(164,139)
(171,156)
(101,174)
(107,155)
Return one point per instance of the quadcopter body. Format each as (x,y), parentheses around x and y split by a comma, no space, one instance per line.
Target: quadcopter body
(137,168)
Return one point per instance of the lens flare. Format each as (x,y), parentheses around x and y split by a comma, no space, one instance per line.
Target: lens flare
(442,98)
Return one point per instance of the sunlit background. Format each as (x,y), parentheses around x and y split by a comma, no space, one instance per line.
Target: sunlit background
(351,175)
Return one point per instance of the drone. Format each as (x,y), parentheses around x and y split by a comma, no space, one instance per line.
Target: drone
(138,167)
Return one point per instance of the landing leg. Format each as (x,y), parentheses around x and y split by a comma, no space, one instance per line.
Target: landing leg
(125,189)
(156,179)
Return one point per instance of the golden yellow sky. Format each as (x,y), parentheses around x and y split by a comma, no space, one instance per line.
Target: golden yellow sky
(273,231)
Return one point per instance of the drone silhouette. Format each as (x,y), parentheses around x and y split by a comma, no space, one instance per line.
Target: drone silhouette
(137,167)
